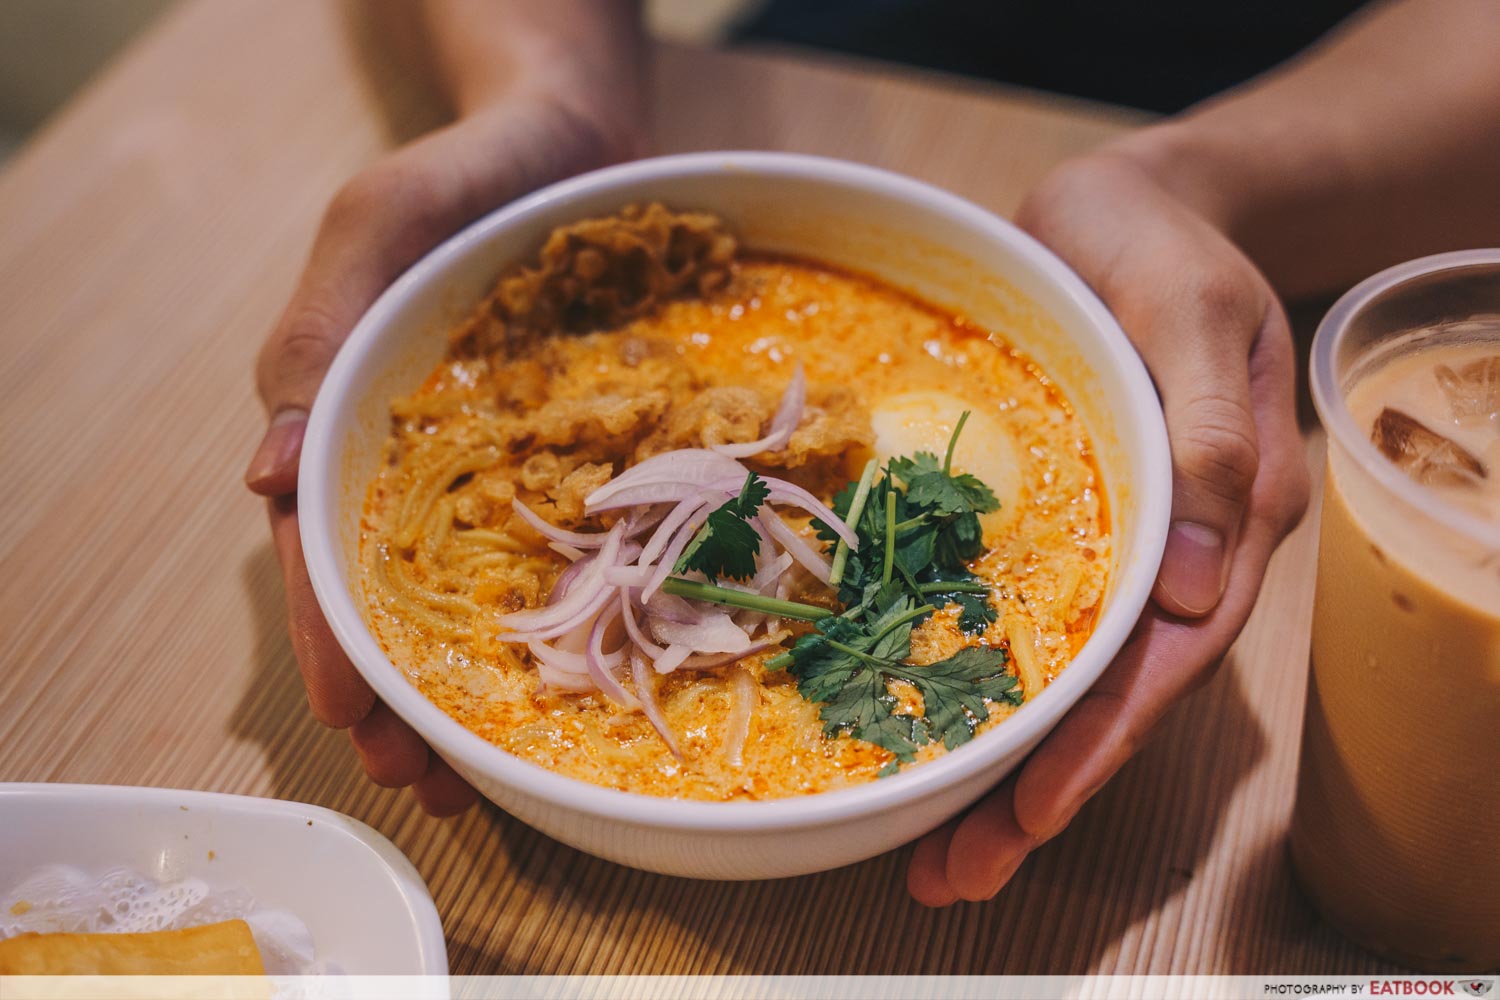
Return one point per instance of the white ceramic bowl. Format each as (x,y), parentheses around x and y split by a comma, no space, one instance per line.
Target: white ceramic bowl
(940,247)
(366,907)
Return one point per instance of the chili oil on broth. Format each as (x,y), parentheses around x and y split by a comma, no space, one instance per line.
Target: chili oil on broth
(556,422)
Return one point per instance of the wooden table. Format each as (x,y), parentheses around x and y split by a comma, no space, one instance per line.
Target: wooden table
(151,234)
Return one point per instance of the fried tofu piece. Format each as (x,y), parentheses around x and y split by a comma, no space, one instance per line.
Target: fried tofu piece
(222,949)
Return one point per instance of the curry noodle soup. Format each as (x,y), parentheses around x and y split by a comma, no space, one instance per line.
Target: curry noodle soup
(650,335)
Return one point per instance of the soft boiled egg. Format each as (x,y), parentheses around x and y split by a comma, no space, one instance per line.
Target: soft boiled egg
(923,421)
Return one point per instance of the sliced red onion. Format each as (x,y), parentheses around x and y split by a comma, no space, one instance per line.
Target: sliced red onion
(693,466)
(616,576)
(765,582)
(793,403)
(633,629)
(566,551)
(796,546)
(792,495)
(575,642)
(600,595)
(674,552)
(766,577)
(671,659)
(562,670)
(577,539)
(559,659)
(645,519)
(554,678)
(628,577)
(788,416)
(663,535)
(702,661)
(766,560)
(586,588)
(650,493)
(673,609)
(645,686)
(602,664)
(566,578)
(744,693)
(714,633)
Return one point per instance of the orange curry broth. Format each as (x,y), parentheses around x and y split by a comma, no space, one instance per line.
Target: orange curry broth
(859,341)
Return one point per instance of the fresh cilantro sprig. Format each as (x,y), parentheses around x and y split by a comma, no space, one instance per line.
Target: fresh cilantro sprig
(922,521)
(848,666)
(727,545)
(918,527)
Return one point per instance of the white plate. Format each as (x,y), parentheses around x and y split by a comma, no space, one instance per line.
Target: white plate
(367,908)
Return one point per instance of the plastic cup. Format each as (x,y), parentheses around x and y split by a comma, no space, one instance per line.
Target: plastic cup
(1396,830)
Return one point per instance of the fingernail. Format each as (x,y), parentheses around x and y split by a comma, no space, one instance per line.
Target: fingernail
(277,455)
(1193,567)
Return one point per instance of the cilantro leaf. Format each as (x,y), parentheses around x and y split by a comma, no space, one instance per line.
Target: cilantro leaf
(754,493)
(863,567)
(954,691)
(890,627)
(865,709)
(975,613)
(915,549)
(902,735)
(724,546)
(909,469)
(727,545)
(959,540)
(918,528)
(945,494)
(981,498)
(846,667)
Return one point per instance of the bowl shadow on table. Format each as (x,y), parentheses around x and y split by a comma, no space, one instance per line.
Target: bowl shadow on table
(1131,852)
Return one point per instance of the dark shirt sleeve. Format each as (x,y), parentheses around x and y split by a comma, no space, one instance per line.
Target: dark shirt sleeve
(1160,55)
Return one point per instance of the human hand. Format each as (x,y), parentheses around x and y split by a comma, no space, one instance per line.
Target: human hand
(1218,345)
(378,224)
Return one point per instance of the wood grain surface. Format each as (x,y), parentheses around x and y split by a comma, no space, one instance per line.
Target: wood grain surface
(150,236)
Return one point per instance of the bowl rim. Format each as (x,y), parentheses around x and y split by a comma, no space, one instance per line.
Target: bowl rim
(319,478)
